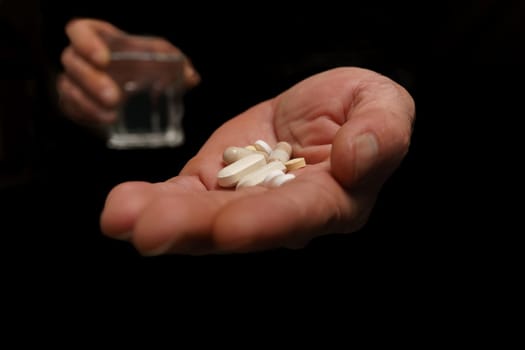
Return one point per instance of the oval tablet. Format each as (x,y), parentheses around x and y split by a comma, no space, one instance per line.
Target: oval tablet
(231,174)
(256,177)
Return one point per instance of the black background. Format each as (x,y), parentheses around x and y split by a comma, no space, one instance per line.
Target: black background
(458,60)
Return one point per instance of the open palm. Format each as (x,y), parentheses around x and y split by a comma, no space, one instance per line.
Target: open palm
(353,127)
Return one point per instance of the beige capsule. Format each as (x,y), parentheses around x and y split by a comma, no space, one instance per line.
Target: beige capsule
(281,152)
(232,154)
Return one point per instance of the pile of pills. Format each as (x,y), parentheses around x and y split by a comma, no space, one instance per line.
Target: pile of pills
(258,164)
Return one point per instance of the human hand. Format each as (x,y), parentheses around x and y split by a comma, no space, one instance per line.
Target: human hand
(87,93)
(352,125)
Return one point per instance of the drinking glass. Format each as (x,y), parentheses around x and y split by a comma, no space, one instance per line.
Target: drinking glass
(149,73)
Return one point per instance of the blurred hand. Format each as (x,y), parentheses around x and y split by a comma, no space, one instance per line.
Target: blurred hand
(87,93)
(352,125)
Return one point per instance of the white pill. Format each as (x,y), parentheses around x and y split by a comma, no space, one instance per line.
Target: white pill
(268,178)
(257,176)
(231,174)
(281,152)
(262,146)
(281,179)
(232,154)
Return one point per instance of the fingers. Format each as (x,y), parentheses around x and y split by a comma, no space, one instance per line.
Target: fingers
(87,94)
(94,82)
(87,38)
(186,218)
(182,223)
(376,136)
(81,107)
(175,216)
(123,205)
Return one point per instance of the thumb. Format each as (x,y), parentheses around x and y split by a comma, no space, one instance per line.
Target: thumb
(376,135)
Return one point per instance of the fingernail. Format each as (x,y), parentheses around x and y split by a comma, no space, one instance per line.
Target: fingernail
(366,151)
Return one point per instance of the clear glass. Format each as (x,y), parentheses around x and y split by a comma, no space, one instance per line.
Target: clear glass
(149,72)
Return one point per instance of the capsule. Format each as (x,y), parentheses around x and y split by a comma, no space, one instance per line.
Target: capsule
(232,154)
(281,152)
